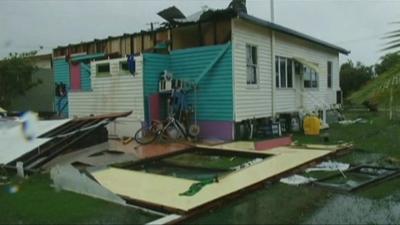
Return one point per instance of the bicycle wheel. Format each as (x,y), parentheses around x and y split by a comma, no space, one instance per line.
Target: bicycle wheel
(145,135)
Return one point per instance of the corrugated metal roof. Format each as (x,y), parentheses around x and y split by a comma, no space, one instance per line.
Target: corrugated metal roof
(289,31)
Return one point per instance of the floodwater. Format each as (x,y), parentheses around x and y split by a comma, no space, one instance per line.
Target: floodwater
(279,203)
(349,209)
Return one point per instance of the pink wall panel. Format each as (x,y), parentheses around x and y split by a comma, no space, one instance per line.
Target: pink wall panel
(75,77)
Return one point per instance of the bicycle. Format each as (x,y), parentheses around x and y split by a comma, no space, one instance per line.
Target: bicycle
(158,129)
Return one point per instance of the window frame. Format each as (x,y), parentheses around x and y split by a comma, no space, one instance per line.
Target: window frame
(252,65)
(121,70)
(103,74)
(313,74)
(329,74)
(278,75)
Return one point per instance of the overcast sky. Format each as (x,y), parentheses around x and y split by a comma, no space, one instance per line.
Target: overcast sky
(355,25)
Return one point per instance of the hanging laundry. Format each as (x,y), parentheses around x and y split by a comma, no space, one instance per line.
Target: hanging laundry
(132,64)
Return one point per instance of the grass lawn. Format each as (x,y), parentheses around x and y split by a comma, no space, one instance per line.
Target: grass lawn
(379,135)
(36,202)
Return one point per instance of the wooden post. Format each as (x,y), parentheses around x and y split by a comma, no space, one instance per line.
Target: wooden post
(200,34)
(132,45)
(215,32)
(142,39)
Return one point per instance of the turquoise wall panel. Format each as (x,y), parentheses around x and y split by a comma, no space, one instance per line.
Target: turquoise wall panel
(154,64)
(61,74)
(86,83)
(214,93)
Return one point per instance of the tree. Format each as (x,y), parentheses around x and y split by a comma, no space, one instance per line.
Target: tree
(352,77)
(387,62)
(16,76)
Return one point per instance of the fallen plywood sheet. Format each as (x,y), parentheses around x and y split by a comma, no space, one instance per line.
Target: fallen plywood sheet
(164,190)
(68,178)
(238,145)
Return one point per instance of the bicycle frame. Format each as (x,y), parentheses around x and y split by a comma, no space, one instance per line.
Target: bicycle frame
(173,121)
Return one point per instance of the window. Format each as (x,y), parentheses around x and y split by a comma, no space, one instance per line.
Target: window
(310,78)
(284,70)
(329,74)
(123,65)
(123,68)
(251,55)
(103,69)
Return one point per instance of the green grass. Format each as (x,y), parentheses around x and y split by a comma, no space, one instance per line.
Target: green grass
(378,90)
(36,202)
(381,190)
(378,135)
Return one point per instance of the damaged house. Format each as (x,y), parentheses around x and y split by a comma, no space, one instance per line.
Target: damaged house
(244,68)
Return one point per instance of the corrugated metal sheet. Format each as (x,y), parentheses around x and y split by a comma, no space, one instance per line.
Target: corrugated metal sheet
(119,92)
(214,95)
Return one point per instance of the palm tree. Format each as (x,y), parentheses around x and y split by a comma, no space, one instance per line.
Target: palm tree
(393,38)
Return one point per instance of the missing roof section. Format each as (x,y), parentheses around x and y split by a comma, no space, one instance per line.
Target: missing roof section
(171,13)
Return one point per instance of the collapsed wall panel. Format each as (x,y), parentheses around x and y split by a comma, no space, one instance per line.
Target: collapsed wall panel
(66,177)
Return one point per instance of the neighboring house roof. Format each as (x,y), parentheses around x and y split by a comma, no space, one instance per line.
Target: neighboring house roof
(289,31)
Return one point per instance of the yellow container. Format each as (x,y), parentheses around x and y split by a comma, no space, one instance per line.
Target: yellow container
(311,125)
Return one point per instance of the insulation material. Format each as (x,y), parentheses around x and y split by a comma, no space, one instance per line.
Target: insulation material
(148,41)
(329,166)
(208,33)
(68,178)
(115,45)
(137,44)
(162,36)
(297,180)
(181,39)
(223,31)
(165,190)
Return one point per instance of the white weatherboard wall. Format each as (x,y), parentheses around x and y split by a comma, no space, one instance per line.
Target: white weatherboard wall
(119,92)
(256,101)
(287,100)
(251,101)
